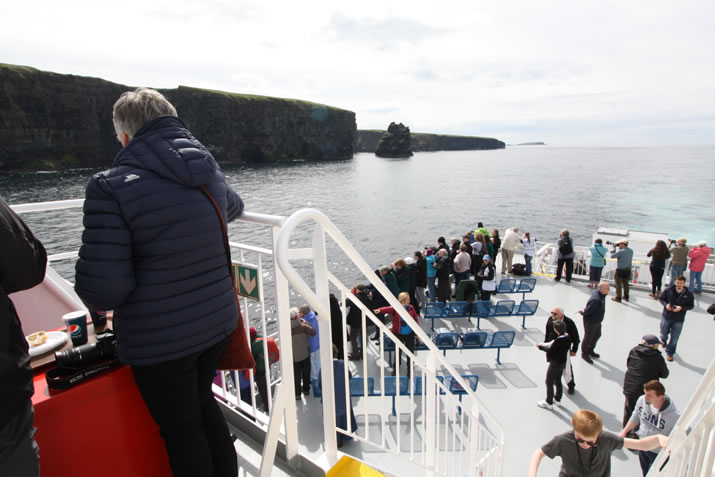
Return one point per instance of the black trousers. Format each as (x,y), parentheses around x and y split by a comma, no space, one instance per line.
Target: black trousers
(591,335)
(657,282)
(179,398)
(569,268)
(301,374)
(409,341)
(553,380)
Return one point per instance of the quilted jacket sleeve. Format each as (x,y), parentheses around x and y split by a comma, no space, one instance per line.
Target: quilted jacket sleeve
(104,273)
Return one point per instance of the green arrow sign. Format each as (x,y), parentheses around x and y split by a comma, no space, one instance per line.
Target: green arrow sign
(246,277)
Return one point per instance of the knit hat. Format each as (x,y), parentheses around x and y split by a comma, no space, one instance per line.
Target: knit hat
(252,331)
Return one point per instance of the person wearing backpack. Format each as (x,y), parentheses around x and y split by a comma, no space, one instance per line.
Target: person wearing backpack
(598,261)
(566,255)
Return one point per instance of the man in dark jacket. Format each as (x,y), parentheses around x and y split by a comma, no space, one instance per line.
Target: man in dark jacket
(154,250)
(557,314)
(676,301)
(354,320)
(22,266)
(645,363)
(390,280)
(444,287)
(592,318)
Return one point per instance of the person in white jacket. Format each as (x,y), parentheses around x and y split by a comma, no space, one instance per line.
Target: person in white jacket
(508,247)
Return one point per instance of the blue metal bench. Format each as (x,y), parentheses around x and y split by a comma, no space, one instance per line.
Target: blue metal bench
(526,308)
(357,387)
(476,339)
(445,340)
(502,308)
(389,388)
(526,285)
(455,309)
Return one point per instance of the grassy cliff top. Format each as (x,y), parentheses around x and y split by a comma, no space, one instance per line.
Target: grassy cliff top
(28,70)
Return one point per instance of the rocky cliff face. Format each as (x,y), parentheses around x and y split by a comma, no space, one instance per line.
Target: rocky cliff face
(54,121)
(368,140)
(395,142)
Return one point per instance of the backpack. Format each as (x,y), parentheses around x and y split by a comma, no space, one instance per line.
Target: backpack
(518,269)
(566,247)
(274,353)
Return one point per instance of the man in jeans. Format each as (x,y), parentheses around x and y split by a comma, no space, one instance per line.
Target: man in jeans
(623,269)
(676,301)
(678,259)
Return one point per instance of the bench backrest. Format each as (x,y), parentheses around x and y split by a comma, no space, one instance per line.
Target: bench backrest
(481,308)
(433,309)
(456,309)
(390,385)
(446,339)
(474,339)
(503,308)
(528,307)
(506,285)
(501,339)
(526,285)
(357,386)
(456,388)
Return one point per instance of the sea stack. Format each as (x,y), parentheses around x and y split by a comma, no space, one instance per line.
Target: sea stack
(395,142)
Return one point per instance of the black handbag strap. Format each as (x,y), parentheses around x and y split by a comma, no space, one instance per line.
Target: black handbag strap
(224,231)
(66,377)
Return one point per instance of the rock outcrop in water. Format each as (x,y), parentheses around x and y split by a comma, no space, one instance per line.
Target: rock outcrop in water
(395,142)
(368,139)
(56,121)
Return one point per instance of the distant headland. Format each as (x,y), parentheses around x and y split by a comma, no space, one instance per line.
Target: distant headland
(52,121)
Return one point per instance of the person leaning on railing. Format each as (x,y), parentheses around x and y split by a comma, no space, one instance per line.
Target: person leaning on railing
(154,250)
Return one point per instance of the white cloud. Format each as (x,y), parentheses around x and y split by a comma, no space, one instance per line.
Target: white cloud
(560,71)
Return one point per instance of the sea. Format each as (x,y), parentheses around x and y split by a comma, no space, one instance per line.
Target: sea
(388,208)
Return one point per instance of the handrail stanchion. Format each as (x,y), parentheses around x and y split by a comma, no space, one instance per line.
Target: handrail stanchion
(284,331)
(320,267)
(431,395)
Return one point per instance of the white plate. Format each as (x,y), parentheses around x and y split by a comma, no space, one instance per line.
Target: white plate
(54,340)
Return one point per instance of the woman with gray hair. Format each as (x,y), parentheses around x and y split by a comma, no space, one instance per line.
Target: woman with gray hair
(154,250)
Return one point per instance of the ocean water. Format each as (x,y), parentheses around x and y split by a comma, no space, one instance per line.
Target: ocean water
(390,207)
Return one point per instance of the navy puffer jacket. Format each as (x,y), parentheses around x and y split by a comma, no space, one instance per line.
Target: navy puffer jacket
(152,249)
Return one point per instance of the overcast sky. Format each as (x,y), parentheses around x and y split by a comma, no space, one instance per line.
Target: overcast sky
(564,72)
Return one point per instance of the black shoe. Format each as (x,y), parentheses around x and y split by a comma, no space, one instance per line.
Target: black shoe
(595,355)
(571,390)
(587,358)
(298,397)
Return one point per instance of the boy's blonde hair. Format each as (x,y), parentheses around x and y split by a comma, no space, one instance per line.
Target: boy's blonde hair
(587,423)
(403,297)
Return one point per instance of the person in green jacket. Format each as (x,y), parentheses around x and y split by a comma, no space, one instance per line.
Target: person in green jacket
(388,276)
(259,372)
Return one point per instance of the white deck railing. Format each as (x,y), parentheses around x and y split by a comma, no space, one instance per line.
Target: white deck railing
(442,435)
(546,260)
(690,451)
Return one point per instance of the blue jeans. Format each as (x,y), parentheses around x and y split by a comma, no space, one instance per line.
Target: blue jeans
(673,328)
(432,288)
(676,270)
(696,276)
(527,259)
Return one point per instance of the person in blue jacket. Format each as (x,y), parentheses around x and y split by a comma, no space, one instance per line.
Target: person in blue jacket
(154,250)
(598,261)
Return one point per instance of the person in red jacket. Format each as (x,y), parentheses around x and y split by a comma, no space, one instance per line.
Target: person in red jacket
(401,329)
(698,256)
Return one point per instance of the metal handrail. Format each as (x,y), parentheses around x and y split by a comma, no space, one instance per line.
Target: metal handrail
(690,450)
(319,300)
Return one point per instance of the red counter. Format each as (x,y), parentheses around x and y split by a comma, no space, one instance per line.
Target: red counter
(100,427)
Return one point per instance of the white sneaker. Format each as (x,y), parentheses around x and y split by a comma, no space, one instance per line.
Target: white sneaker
(557,403)
(544,405)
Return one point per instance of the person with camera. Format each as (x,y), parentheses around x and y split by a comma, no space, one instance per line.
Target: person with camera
(597,262)
(154,250)
(624,255)
(676,300)
(23,261)
(678,258)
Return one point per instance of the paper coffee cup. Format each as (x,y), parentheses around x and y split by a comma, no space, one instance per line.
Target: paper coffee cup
(76,322)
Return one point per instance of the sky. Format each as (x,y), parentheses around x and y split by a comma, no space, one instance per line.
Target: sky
(571,73)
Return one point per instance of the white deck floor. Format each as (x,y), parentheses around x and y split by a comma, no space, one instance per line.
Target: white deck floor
(510,390)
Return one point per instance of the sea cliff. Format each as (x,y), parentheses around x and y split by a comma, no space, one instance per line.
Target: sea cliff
(56,121)
(369,138)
